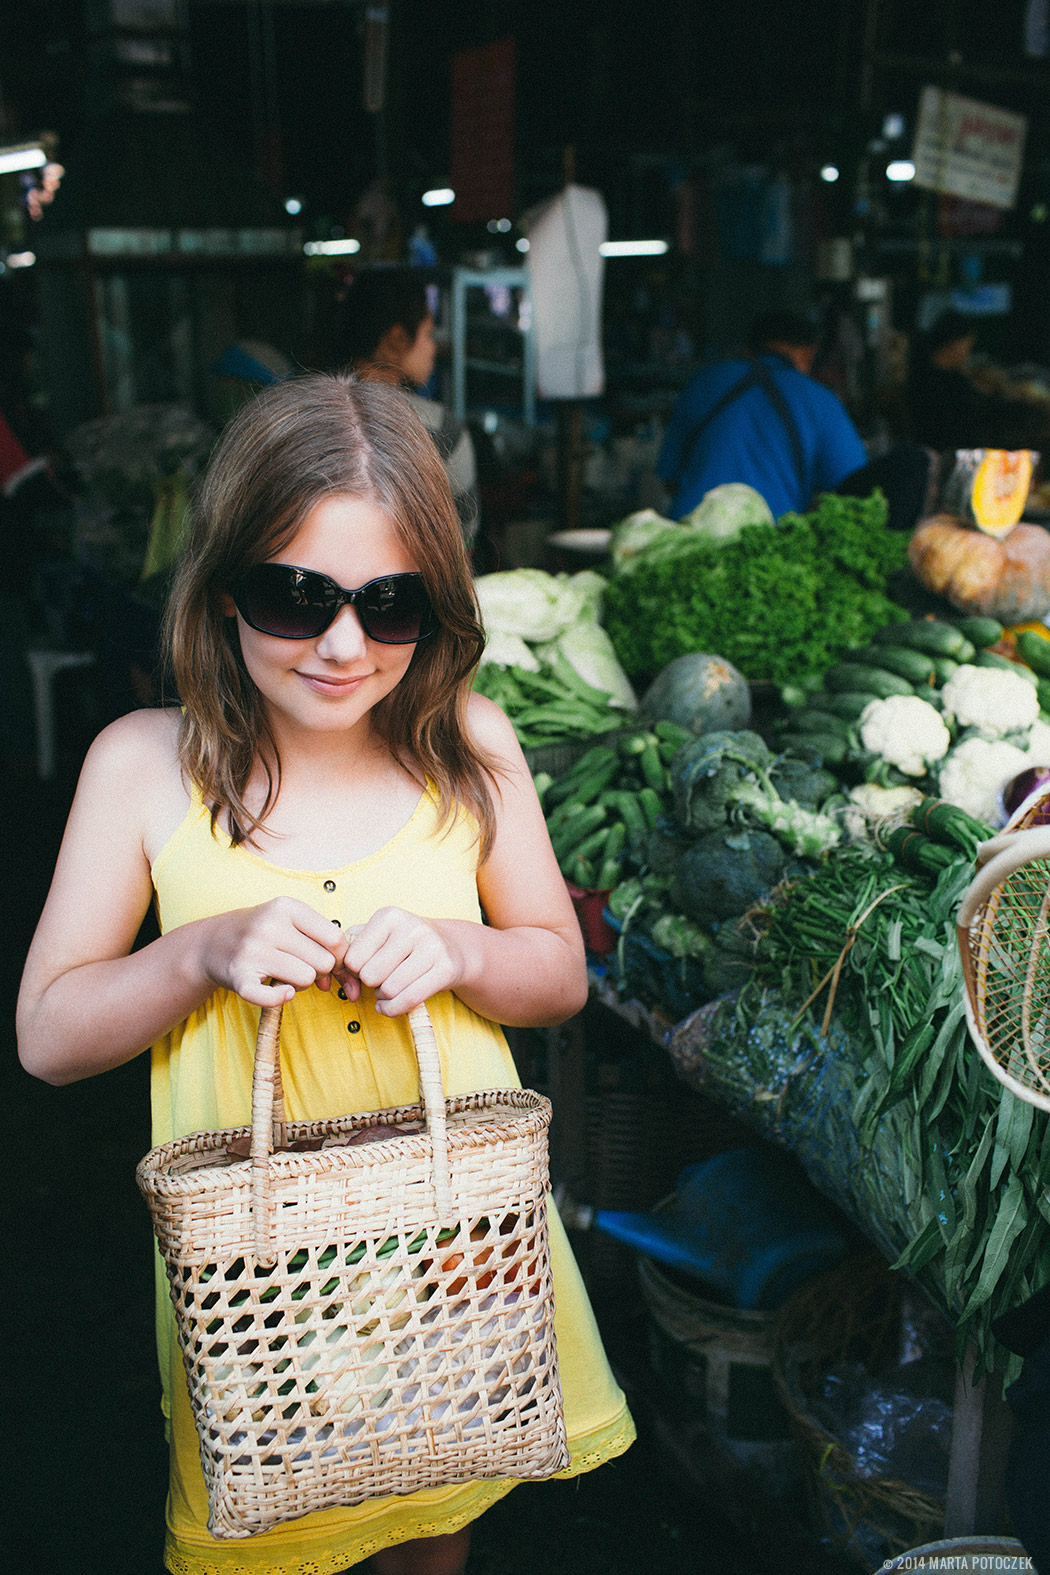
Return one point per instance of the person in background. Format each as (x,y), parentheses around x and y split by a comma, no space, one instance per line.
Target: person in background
(385,329)
(952,405)
(761,420)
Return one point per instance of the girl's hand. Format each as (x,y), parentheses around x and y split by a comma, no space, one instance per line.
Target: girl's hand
(284,941)
(404,959)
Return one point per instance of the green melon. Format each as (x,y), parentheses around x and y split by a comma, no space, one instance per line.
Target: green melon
(701,692)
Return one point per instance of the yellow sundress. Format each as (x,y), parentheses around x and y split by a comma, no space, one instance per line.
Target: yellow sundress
(337,1057)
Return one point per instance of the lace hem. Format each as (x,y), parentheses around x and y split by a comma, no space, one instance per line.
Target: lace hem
(179,1562)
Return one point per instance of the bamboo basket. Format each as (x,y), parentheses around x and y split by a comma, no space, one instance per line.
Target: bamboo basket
(364,1304)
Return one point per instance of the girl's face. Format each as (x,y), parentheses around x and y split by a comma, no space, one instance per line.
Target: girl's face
(331,682)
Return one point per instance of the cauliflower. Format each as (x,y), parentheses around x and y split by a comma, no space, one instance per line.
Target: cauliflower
(869,802)
(991,698)
(907,732)
(1038,750)
(975,772)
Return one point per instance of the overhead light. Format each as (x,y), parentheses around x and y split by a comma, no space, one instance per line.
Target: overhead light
(293,205)
(893,127)
(498,226)
(829,172)
(439,197)
(26,157)
(331,248)
(523,244)
(633,248)
(21,259)
(900,170)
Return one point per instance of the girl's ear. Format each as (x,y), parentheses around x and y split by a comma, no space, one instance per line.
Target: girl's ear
(228,609)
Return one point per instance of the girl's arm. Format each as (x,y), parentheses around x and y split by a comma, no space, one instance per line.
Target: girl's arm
(526,966)
(87,1002)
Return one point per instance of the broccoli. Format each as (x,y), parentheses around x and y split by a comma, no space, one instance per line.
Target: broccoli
(725,872)
(680,936)
(724,776)
(707,773)
(808,785)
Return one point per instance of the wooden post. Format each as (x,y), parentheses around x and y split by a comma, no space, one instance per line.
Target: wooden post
(981,1427)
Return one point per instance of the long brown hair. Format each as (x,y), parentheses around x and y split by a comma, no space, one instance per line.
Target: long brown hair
(296,443)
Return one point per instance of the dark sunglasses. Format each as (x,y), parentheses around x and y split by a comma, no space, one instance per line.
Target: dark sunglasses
(297,604)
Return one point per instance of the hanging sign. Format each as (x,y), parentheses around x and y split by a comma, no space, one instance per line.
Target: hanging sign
(968,149)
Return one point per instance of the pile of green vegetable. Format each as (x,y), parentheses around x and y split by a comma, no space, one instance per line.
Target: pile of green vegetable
(736,821)
(610,799)
(938,1162)
(926,704)
(549,704)
(779,601)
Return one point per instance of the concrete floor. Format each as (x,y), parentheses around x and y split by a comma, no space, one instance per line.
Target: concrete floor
(84,1460)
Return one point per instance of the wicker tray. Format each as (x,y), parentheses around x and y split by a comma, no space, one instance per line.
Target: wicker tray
(362,1320)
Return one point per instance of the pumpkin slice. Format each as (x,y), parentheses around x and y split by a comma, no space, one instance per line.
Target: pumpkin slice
(1000,489)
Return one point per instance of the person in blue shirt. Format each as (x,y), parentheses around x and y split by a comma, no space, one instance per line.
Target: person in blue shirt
(761,420)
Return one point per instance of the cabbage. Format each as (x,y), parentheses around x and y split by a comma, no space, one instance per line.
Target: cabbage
(633,534)
(592,585)
(588,649)
(530,603)
(508,650)
(723,512)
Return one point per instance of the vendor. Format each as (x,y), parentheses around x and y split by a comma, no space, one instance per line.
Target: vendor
(386,330)
(952,407)
(762,420)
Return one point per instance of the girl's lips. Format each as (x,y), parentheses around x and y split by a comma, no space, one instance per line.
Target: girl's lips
(331,686)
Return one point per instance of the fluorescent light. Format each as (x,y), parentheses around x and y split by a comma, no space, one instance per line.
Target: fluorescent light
(900,170)
(331,248)
(21,259)
(829,172)
(522,245)
(633,248)
(11,159)
(439,197)
(293,205)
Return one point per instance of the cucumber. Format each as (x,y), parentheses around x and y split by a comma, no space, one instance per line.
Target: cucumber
(853,677)
(813,721)
(1035,651)
(981,631)
(916,666)
(929,635)
(850,704)
(1043,690)
(944,667)
(829,746)
(1003,664)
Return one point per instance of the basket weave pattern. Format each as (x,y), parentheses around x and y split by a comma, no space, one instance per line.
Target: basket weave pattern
(352,1323)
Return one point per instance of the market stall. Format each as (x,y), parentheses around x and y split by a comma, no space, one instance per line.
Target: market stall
(766,784)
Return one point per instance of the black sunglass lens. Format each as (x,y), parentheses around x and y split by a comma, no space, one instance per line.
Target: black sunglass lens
(278,601)
(396,612)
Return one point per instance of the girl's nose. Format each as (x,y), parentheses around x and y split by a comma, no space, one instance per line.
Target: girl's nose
(344,639)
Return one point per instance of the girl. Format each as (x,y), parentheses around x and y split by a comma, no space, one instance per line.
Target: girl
(324,824)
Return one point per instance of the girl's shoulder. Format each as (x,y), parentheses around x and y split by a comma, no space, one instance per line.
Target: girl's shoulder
(490,729)
(135,760)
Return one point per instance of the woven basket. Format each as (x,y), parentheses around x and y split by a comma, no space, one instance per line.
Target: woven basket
(362,1320)
(850,1313)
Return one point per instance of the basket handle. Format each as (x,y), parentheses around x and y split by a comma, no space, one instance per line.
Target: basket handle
(268,1116)
(1000,856)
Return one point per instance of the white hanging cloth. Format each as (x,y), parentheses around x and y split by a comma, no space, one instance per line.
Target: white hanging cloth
(566,270)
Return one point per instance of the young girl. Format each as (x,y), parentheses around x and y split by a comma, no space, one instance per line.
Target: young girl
(324,823)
